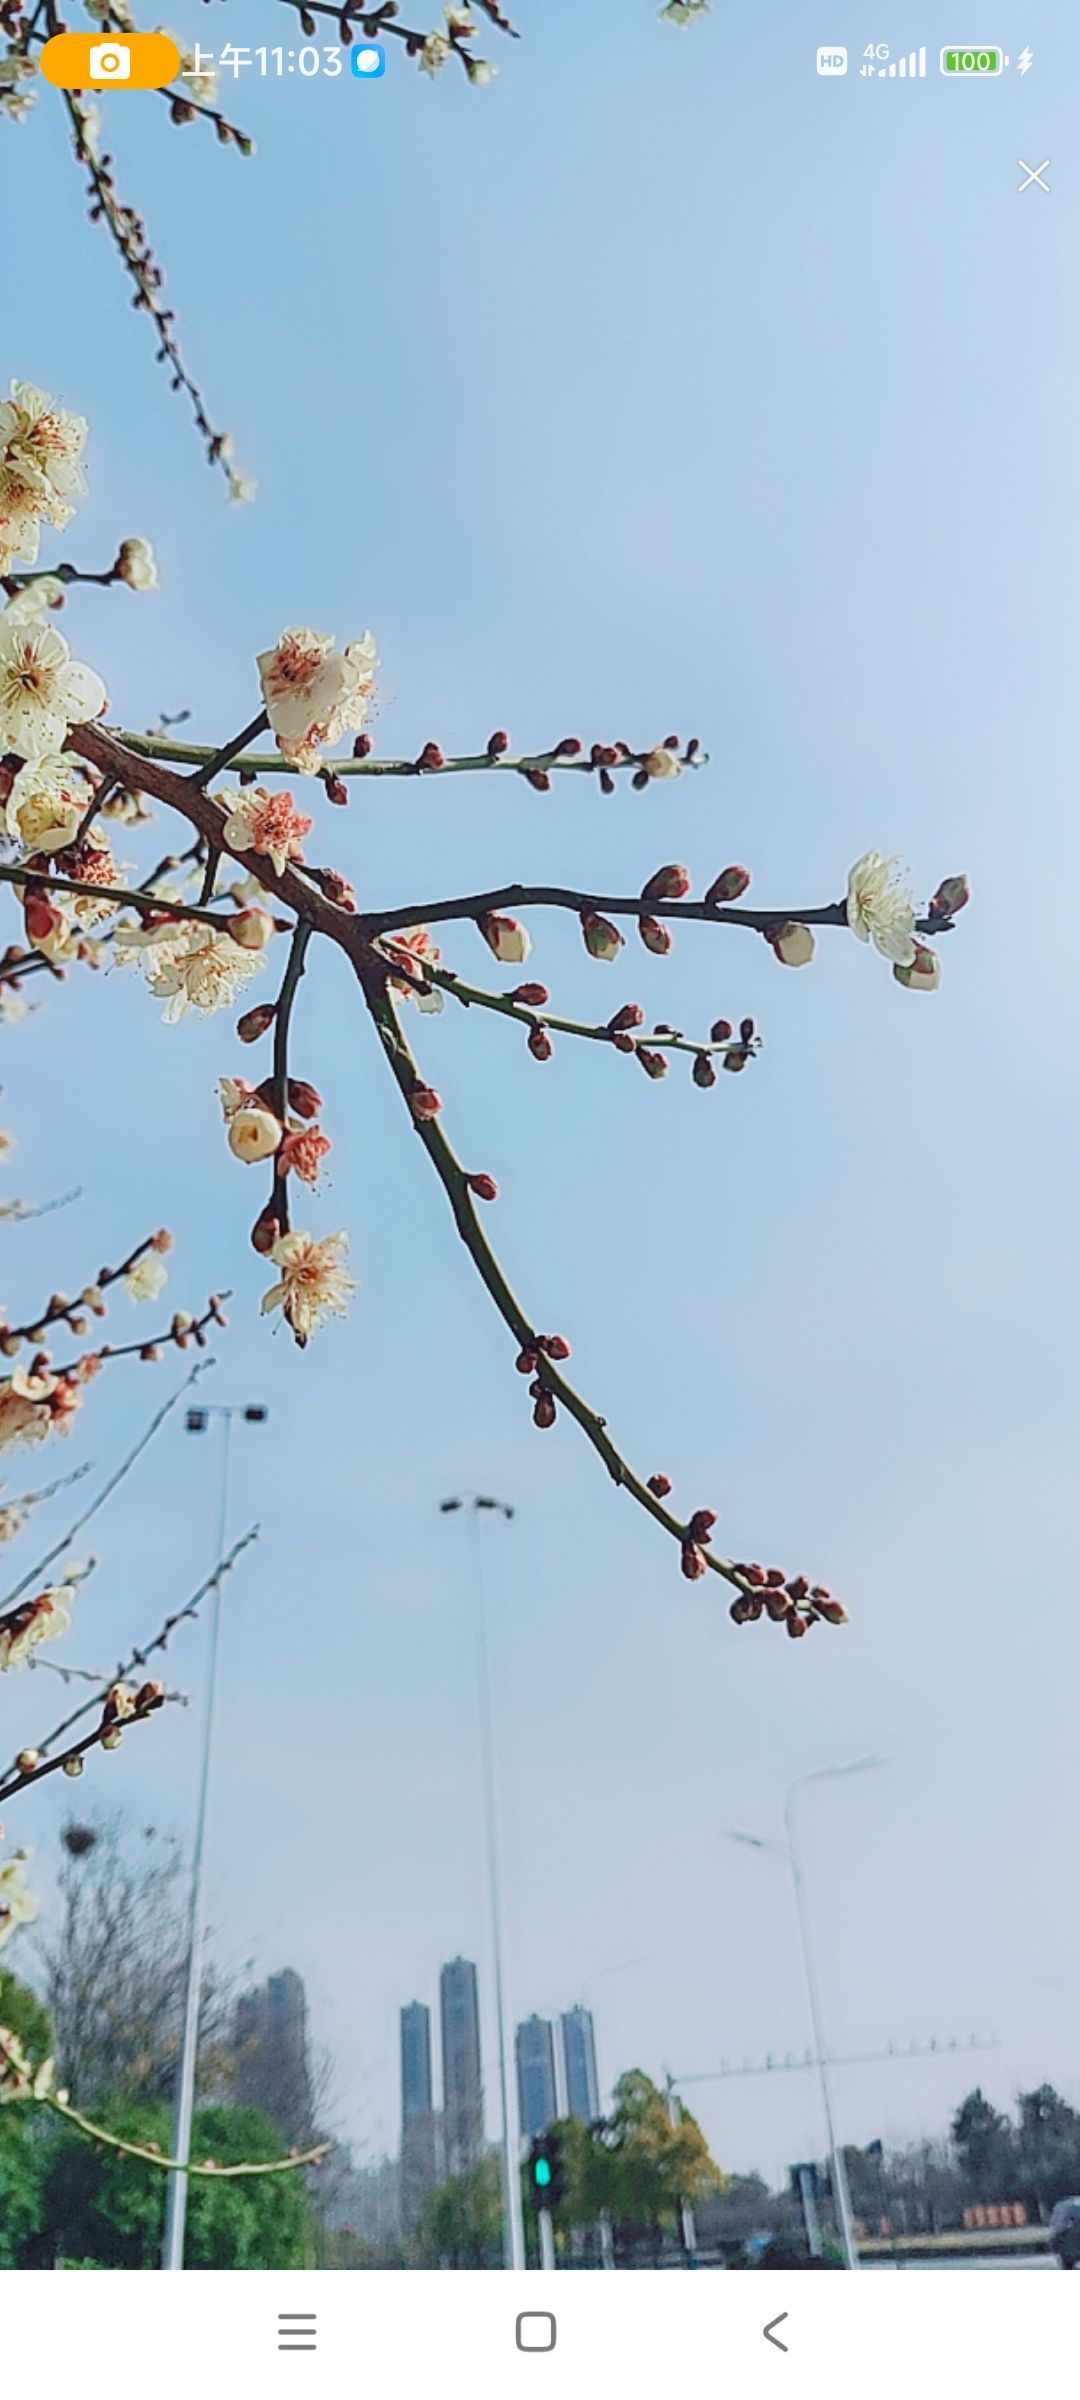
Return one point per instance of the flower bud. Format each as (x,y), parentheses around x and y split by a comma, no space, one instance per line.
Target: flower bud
(796,1624)
(607,781)
(776,1607)
(544,1411)
(659,1486)
(424,1103)
(792,944)
(484,1186)
(252,1134)
(505,938)
(569,747)
(336,791)
(363,746)
(746,1029)
(498,745)
(540,1042)
(668,883)
(256,1022)
(625,1020)
(694,1563)
(72,1766)
(729,885)
(703,1071)
(112,1739)
(660,764)
(602,939)
(538,777)
(304,1100)
(265,1232)
(253,928)
(701,1525)
(828,1608)
(655,936)
(530,995)
(951,896)
(526,1362)
(553,1345)
(797,1588)
(924,973)
(149,1695)
(654,1063)
(27,1760)
(431,759)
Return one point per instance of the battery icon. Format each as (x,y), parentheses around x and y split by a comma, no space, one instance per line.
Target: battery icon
(972,61)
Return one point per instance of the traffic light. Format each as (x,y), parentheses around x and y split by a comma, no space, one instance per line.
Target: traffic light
(546,2173)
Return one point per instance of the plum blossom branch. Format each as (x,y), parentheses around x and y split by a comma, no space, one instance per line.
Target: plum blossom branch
(118,1476)
(183,911)
(62,1311)
(474,905)
(183,1329)
(160,1640)
(536,767)
(143,1705)
(620,1030)
(538,1353)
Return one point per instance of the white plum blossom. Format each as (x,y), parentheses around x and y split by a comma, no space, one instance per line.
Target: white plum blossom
(18,1905)
(42,690)
(136,565)
(266,822)
(435,52)
(313,1281)
(314,693)
(879,909)
(40,449)
(924,972)
(34,600)
(197,967)
(24,1411)
(47,801)
(793,944)
(34,1621)
(147,1279)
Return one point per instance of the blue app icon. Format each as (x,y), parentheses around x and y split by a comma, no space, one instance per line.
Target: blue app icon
(369,60)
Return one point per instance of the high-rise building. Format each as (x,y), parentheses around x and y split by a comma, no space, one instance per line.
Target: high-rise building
(579,2064)
(463,2098)
(419,2173)
(272,2061)
(534,2048)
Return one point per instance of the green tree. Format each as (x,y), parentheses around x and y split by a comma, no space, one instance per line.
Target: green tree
(106,2209)
(23,2139)
(460,2224)
(983,2141)
(1048,2148)
(640,2164)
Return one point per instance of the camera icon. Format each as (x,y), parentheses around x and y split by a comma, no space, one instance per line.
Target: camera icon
(369,60)
(110,62)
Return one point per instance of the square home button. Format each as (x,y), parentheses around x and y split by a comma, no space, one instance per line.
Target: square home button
(536,2330)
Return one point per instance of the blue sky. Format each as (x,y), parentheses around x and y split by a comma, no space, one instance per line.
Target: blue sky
(662,386)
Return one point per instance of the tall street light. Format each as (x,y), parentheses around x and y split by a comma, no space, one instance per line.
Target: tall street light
(198,1420)
(478,1505)
(791,1852)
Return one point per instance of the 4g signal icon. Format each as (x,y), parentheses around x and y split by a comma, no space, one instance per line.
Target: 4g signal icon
(909,68)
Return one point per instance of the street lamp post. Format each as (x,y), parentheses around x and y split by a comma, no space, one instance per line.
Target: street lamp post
(478,1505)
(172,2249)
(790,1851)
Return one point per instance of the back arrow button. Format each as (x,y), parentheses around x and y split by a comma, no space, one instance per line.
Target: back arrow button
(769,2330)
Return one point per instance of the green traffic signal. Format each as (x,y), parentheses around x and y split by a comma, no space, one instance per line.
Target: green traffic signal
(542,2172)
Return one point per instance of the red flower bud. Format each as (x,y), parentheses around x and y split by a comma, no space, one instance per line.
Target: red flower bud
(668,883)
(540,1042)
(746,1029)
(363,746)
(828,1608)
(525,1362)
(530,995)
(431,759)
(256,1022)
(721,1031)
(703,1071)
(538,777)
(304,1098)
(730,885)
(951,896)
(264,1232)
(498,745)
(484,1186)
(659,1486)
(655,936)
(625,1019)
(754,1574)
(694,1562)
(776,1606)
(798,1588)
(602,939)
(701,1525)
(796,1625)
(544,1411)
(424,1103)
(654,1063)
(335,791)
(553,1345)
(624,1041)
(607,781)
(774,1575)
(569,747)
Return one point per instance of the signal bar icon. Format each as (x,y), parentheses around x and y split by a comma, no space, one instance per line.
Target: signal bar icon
(913,64)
